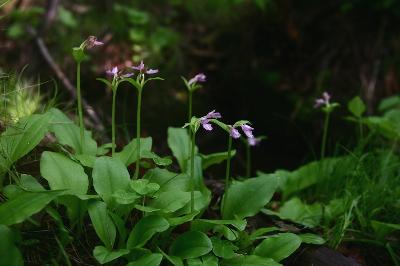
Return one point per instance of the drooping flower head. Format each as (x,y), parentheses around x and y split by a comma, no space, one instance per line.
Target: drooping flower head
(247,130)
(234,132)
(253,141)
(144,70)
(324,101)
(91,42)
(198,78)
(205,120)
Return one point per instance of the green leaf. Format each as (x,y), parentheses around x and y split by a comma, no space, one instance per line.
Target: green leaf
(297,211)
(205,223)
(102,223)
(262,231)
(109,176)
(356,106)
(29,183)
(382,229)
(9,253)
(103,255)
(133,82)
(389,103)
(153,259)
(251,260)
(21,138)
(63,173)
(278,247)
(178,142)
(128,154)
(67,133)
(191,244)
(145,229)
(174,221)
(170,201)
(143,187)
(223,248)
(168,180)
(246,198)
(105,81)
(215,158)
(124,197)
(25,205)
(314,239)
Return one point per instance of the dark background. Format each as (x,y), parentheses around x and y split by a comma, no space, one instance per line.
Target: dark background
(265,60)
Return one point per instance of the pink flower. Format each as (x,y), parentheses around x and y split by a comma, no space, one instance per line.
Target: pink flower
(198,78)
(322,101)
(205,120)
(143,70)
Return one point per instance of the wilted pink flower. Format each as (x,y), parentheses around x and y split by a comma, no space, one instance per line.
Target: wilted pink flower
(322,101)
(92,41)
(198,78)
(143,70)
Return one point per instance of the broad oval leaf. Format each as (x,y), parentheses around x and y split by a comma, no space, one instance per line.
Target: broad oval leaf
(314,239)
(24,205)
(191,244)
(223,248)
(246,198)
(109,176)
(356,106)
(63,173)
(144,187)
(178,142)
(278,247)
(153,259)
(251,260)
(103,255)
(170,201)
(9,253)
(102,223)
(68,133)
(128,154)
(145,229)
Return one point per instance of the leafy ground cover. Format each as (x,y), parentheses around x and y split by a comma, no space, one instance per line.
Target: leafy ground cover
(67,198)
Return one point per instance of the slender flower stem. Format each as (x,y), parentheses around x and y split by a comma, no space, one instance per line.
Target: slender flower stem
(190,105)
(192,173)
(248,160)
(325,133)
(228,164)
(114,92)
(190,100)
(79,99)
(139,107)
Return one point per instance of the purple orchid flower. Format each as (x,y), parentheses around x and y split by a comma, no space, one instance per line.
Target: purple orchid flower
(113,72)
(247,130)
(322,101)
(234,132)
(142,69)
(198,78)
(205,120)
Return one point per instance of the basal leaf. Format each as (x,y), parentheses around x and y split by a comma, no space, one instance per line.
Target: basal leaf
(246,198)
(103,255)
(102,223)
(278,247)
(145,229)
(191,244)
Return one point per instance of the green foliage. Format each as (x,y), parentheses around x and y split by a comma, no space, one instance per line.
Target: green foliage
(246,198)
(278,247)
(102,223)
(191,244)
(9,253)
(145,229)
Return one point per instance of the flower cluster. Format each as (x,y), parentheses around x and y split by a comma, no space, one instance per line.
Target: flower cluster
(116,73)
(247,130)
(205,120)
(91,42)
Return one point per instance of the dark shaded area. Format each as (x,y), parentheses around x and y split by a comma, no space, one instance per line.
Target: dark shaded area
(266,61)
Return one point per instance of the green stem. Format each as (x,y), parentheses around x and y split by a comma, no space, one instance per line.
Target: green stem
(192,173)
(139,107)
(228,165)
(248,160)
(360,126)
(325,134)
(79,99)
(190,100)
(114,92)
